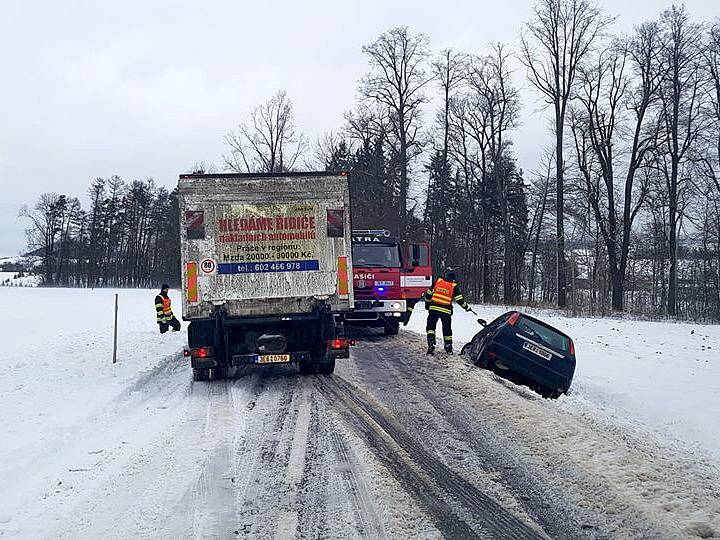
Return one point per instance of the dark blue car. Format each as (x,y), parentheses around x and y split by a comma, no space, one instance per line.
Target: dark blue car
(527,351)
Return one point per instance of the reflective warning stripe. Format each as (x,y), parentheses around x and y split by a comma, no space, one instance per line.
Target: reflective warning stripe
(441,309)
(447,338)
(443,292)
(192,282)
(342,275)
(431,332)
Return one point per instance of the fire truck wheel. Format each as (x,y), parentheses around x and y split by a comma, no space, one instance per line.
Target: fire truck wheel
(392,327)
(327,368)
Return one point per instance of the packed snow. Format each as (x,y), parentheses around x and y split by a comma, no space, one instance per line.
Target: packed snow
(658,377)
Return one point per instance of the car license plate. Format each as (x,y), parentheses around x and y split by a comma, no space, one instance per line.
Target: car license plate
(537,350)
(273,358)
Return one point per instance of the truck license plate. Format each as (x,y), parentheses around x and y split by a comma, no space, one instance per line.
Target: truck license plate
(273,358)
(537,350)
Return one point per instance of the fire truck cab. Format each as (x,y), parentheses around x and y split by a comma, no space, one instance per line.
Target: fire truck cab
(389,278)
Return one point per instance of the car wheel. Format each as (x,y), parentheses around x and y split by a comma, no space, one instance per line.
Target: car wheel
(547,393)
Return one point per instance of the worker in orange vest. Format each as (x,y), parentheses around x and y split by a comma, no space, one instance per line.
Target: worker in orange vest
(163,311)
(438,301)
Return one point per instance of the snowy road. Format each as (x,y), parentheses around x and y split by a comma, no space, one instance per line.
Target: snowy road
(394,445)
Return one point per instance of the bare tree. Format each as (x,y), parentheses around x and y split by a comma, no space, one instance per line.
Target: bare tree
(557,39)
(270,142)
(681,116)
(612,109)
(710,157)
(396,82)
(491,80)
(46,225)
(450,69)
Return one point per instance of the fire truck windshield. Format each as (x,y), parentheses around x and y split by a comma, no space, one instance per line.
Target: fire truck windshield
(376,255)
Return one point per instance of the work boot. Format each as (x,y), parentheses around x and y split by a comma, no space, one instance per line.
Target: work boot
(448,349)
(431,349)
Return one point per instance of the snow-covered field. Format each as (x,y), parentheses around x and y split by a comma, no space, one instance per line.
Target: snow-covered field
(661,378)
(12,279)
(61,392)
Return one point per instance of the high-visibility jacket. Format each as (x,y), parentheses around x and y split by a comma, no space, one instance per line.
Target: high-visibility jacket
(162,308)
(441,295)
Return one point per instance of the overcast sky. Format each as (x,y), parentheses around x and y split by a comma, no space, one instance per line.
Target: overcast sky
(148,88)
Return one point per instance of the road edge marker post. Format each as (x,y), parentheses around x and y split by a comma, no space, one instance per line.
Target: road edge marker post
(115,331)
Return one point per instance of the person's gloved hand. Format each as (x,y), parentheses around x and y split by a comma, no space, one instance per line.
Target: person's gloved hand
(427,306)
(467,308)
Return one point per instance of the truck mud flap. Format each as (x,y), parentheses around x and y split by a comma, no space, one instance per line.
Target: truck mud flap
(203,363)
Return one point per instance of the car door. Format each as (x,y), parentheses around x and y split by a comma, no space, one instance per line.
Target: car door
(482,338)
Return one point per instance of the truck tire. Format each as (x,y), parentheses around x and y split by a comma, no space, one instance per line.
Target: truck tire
(307,368)
(219,373)
(392,327)
(200,374)
(327,368)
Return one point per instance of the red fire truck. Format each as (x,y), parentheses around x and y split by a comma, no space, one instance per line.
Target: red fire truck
(389,278)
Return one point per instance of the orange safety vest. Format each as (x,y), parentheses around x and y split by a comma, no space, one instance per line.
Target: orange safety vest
(162,309)
(166,307)
(443,292)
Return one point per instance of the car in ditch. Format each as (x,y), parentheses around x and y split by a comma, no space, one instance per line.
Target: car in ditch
(525,350)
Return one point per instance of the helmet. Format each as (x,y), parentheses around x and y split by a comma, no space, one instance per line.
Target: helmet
(450,274)
(164,287)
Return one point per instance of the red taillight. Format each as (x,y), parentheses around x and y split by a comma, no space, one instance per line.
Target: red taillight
(201,352)
(572,347)
(340,343)
(186,353)
(513,318)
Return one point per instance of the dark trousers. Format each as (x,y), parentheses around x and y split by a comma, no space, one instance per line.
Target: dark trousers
(172,322)
(446,320)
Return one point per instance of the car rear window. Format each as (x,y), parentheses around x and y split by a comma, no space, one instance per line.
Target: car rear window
(544,335)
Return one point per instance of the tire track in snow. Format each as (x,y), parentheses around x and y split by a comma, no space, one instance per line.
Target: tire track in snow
(364,511)
(429,480)
(259,462)
(545,507)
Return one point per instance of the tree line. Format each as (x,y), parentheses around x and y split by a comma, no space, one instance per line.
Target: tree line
(128,237)
(623,212)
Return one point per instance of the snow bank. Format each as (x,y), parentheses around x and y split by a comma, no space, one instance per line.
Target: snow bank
(661,377)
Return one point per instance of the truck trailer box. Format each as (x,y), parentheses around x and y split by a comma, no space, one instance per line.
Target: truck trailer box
(259,251)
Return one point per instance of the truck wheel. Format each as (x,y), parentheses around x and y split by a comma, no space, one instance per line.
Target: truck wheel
(200,374)
(327,368)
(219,373)
(307,368)
(392,327)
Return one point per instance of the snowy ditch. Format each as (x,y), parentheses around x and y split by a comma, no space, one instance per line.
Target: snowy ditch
(661,378)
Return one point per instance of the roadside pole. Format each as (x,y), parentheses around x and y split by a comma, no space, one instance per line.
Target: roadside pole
(115,331)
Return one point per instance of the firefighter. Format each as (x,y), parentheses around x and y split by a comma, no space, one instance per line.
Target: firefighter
(438,302)
(165,317)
